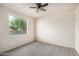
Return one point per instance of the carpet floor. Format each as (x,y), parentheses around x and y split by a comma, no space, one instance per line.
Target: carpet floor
(42,49)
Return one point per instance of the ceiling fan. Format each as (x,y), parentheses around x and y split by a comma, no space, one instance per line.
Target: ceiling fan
(39,6)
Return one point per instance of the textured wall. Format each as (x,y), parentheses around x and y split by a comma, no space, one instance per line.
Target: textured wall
(77,28)
(57,28)
(7,41)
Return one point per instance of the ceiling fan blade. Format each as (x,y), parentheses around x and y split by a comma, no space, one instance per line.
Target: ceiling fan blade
(33,7)
(38,4)
(46,4)
(43,9)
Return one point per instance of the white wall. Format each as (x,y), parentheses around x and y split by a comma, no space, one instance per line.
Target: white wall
(58,28)
(77,28)
(7,41)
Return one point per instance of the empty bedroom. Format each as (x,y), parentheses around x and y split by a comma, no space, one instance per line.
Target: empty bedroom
(39,29)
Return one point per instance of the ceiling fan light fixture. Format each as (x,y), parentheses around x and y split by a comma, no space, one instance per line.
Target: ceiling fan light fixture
(40,6)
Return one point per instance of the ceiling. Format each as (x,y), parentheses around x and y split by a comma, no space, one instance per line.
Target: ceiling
(52,8)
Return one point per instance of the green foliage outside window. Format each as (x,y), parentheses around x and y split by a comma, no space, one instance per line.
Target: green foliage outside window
(17,25)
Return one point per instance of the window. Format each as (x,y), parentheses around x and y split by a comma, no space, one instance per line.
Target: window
(17,25)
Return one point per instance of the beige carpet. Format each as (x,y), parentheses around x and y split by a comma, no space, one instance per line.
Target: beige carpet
(42,49)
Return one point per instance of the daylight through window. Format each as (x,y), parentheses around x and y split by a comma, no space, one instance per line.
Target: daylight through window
(17,25)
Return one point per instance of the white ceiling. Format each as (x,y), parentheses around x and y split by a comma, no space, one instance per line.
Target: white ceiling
(51,8)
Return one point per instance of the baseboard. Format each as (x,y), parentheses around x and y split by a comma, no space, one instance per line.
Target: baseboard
(17,47)
(54,44)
